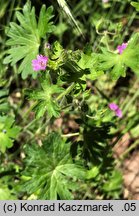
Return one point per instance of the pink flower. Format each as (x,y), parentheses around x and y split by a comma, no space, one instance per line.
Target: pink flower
(121,48)
(114,107)
(40,63)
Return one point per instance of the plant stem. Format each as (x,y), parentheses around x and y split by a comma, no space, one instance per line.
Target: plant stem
(31,107)
(70,135)
(129,92)
(67,91)
(131,101)
(134,145)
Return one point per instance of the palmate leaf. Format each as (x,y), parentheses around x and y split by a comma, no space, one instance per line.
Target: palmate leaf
(44,98)
(113,186)
(117,64)
(8,132)
(136,5)
(88,61)
(25,37)
(5,192)
(52,171)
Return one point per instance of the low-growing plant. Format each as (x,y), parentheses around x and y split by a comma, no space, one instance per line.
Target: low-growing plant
(59,83)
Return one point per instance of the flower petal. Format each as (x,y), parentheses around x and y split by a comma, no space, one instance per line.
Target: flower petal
(40,63)
(113,106)
(121,48)
(118,113)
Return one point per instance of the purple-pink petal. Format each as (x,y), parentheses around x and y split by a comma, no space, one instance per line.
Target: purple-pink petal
(113,106)
(121,48)
(118,113)
(34,62)
(40,63)
(42,58)
(36,67)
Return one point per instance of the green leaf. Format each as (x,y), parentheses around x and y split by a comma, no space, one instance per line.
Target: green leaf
(6,193)
(52,169)
(91,174)
(118,70)
(8,132)
(117,63)
(4,107)
(136,5)
(25,38)
(58,56)
(44,98)
(88,61)
(113,185)
(44,26)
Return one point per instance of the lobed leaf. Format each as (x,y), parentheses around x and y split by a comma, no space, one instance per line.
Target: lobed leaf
(116,63)
(52,176)
(8,132)
(25,37)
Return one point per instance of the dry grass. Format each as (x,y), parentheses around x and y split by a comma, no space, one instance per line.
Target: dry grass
(63,4)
